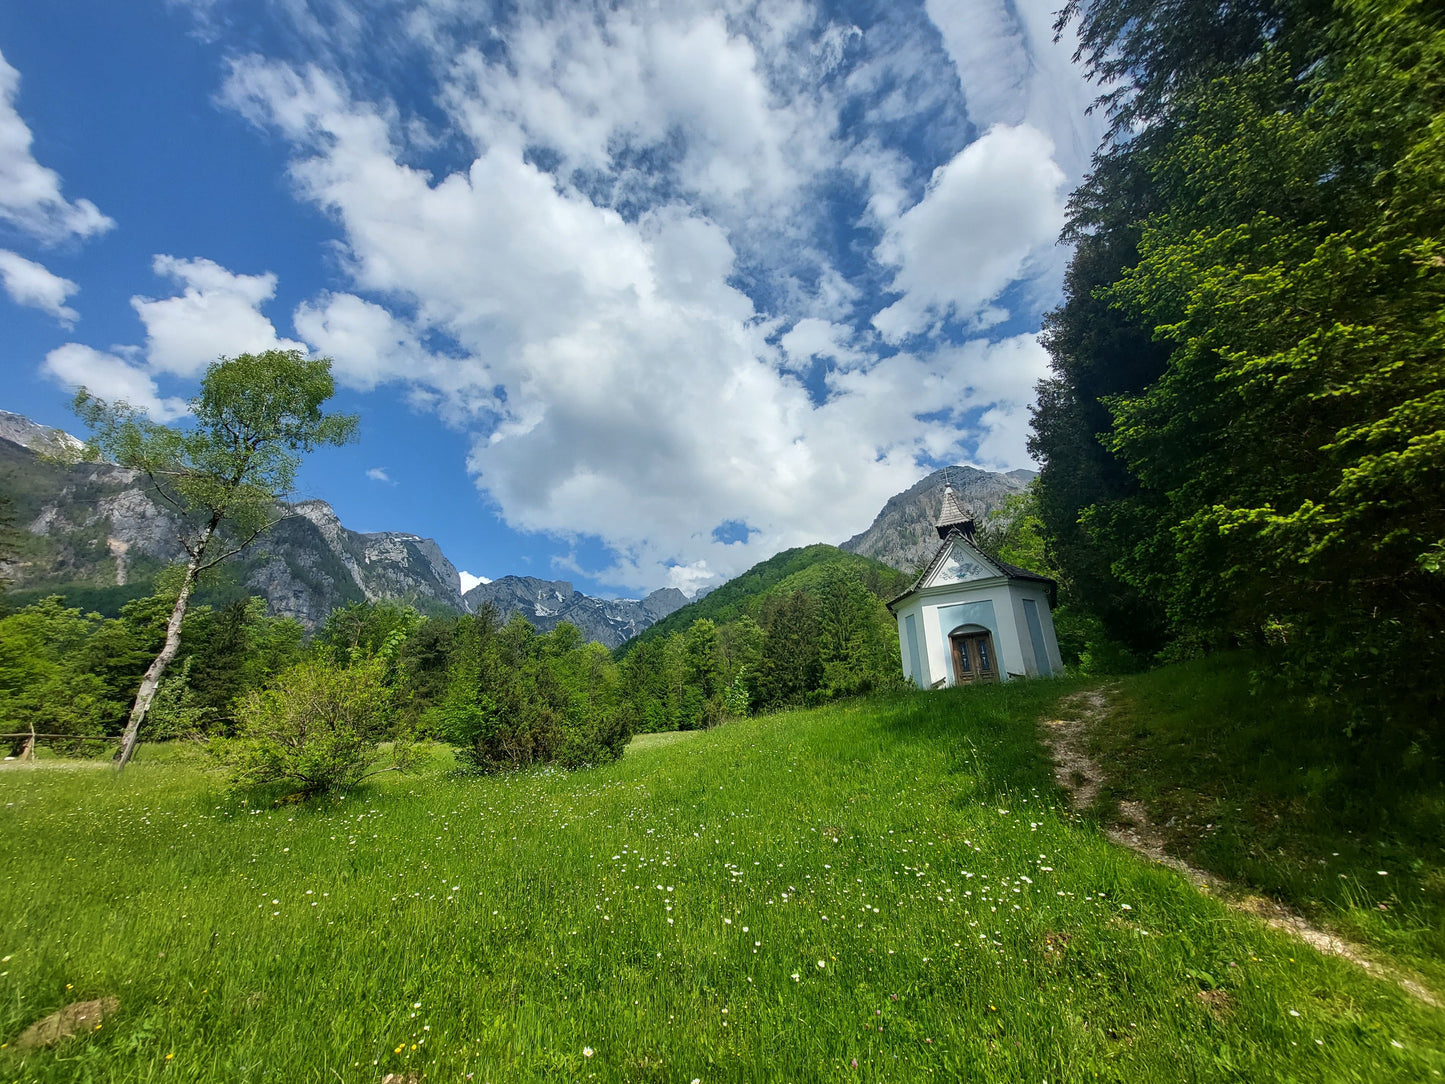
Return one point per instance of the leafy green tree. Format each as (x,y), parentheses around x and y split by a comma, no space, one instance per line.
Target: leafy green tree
(857,638)
(648,685)
(44,687)
(742,643)
(481,691)
(255,414)
(119,651)
(176,711)
(514,698)
(233,650)
(425,669)
(595,720)
(1015,533)
(364,629)
(705,666)
(1276,225)
(1097,352)
(1146,57)
(1295,434)
(791,666)
(1146,53)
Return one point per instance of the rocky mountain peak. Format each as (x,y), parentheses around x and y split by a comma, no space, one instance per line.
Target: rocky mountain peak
(318,512)
(903,533)
(98,524)
(548,603)
(40,439)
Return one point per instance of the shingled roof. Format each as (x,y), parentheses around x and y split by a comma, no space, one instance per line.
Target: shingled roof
(952,515)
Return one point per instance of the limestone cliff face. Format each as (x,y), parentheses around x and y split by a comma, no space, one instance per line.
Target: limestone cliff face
(548,603)
(903,535)
(97,524)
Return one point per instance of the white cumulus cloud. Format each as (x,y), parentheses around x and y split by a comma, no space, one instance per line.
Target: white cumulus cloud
(469,581)
(32,284)
(644,283)
(111,378)
(217,313)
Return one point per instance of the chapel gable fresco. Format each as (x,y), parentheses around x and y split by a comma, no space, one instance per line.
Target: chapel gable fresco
(960,567)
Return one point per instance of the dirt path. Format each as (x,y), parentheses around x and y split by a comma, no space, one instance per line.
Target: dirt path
(1067,740)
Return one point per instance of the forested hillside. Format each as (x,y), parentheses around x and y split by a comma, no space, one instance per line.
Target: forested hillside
(741,594)
(804,626)
(1243,435)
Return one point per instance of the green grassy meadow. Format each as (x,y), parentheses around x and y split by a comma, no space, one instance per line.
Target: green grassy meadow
(892,882)
(1256,789)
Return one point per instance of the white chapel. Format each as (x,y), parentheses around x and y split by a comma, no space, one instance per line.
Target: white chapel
(970,617)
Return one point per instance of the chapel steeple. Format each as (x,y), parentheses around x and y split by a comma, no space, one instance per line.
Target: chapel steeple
(952,516)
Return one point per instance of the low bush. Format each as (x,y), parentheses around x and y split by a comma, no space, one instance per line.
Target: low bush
(317,726)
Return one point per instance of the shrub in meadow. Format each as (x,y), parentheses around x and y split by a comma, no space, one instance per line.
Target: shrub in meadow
(515,698)
(318,727)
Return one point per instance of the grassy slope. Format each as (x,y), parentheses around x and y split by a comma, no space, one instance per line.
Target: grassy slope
(1267,794)
(744,594)
(904,857)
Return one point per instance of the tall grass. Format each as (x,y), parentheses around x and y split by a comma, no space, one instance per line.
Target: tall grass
(1269,790)
(891,882)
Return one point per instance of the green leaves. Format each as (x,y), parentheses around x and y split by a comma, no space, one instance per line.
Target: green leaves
(317,727)
(514,698)
(253,417)
(1282,470)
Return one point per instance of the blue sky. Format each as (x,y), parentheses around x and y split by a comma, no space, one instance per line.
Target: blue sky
(629,294)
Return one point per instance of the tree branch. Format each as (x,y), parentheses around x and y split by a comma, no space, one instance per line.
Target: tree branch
(249,539)
(160,492)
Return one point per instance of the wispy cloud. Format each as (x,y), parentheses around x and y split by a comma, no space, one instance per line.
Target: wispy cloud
(378,474)
(30,197)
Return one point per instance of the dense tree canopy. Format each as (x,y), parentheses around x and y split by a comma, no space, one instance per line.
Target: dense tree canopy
(1245,429)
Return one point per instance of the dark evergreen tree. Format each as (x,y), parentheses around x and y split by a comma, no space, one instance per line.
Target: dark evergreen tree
(791,666)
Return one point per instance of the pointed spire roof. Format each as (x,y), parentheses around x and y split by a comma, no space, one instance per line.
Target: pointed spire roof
(952,516)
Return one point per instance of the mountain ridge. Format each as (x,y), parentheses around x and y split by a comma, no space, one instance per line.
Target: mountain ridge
(92,524)
(902,535)
(548,603)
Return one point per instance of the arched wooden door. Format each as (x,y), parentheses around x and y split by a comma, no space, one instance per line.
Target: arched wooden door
(974,658)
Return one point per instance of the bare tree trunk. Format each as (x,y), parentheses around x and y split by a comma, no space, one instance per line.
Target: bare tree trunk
(152,680)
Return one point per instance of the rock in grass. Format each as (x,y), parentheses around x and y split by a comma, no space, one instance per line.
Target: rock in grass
(81,1016)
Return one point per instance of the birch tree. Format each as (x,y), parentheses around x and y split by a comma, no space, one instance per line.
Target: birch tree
(229,463)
